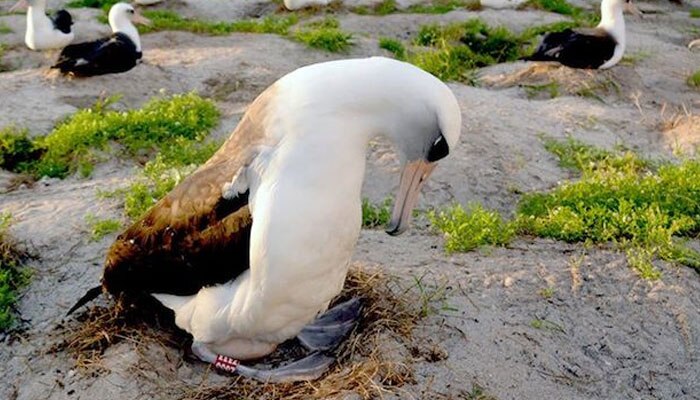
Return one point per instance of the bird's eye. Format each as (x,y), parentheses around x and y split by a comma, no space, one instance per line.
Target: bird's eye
(131,11)
(438,150)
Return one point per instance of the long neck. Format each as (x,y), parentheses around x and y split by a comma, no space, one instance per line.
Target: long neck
(123,25)
(612,20)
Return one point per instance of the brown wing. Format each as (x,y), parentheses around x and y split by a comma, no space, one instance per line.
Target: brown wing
(193,237)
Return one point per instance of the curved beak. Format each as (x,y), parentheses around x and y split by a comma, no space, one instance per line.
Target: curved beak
(21,4)
(413,178)
(140,19)
(632,9)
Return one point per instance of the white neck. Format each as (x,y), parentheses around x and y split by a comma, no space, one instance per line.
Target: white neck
(121,24)
(612,20)
(36,15)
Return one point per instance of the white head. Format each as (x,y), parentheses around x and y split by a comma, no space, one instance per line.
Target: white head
(122,17)
(354,100)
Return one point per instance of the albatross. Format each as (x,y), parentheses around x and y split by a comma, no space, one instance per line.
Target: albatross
(44,33)
(117,53)
(591,48)
(250,249)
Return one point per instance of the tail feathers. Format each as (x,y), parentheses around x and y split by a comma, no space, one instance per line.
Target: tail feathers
(87,297)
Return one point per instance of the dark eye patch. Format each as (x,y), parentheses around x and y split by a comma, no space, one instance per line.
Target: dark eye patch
(438,150)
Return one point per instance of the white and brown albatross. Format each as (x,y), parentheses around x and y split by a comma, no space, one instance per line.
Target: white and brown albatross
(44,32)
(117,53)
(590,48)
(252,247)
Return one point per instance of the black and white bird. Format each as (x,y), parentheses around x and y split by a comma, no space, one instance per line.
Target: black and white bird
(252,247)
(44,33)
(592,48)
(119,52)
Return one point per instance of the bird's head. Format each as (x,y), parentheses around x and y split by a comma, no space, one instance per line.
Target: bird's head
(428,131)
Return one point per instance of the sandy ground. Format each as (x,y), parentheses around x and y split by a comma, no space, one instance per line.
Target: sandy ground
(609,334)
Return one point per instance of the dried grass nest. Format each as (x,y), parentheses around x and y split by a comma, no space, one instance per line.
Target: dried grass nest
(360,369)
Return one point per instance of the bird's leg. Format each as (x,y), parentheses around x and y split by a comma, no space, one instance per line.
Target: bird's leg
(325,333)
(220,362)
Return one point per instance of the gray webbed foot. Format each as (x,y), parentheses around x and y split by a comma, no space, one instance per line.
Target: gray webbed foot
(329,330)
(308,368)
(325,333)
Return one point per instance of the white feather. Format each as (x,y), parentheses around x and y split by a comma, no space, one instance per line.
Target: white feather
(41,34)
(305,195)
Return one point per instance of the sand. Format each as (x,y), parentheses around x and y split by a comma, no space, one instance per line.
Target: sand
(607,334)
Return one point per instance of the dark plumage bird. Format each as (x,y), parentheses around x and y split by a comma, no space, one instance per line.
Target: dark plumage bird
(118,53)
(593,48)
(44,33)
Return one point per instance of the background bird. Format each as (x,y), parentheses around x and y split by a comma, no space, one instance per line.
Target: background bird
(44,33)
(119,52)
(600,47)
(249,249)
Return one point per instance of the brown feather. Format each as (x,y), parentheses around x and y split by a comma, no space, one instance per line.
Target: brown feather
(193,237)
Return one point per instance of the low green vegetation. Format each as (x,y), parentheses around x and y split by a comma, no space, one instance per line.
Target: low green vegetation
(376,215)
(466,230)
(384,7)
(394,46)
(324,34)
(76,144)
(634,58)
(17,150)
(99,228)
(444,6)
(643,209)
(4,29)
(694,13)
(543,324)
(694,79)
(453,52)
(103,4)
(549,90)
(3,67)
(555,6)
(13,274)
(167,20)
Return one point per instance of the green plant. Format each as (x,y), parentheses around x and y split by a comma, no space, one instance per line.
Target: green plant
(444,6)
(103,4)
(324,34)
(13,275)
(551,89)
(4,29)
(100,228)
(452,52)
(429,294)
(168,20)
(556,6)
(694,79)
(469,229)
(546,325)
(694,13)
(17,150)
(547,293)
(620,199)
(393,46)
(374,215)
(76,143)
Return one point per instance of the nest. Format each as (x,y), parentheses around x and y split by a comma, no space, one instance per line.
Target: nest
(360,368)
(546,80)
